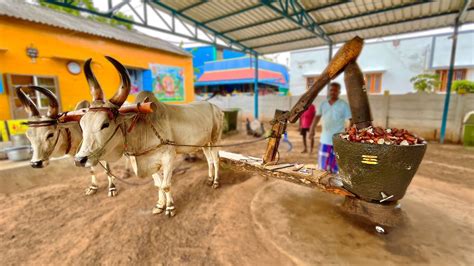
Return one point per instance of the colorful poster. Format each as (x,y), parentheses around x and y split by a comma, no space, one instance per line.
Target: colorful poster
(16,127)
(167,82)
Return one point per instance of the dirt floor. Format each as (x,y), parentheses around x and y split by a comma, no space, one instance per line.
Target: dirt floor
(248,221)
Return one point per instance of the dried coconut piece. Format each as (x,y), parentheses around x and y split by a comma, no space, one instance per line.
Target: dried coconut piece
(380,141)
(404,143)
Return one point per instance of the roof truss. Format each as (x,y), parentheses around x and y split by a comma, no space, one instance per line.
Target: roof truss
(192,27)
(298,16)
(295,12)
(281,18)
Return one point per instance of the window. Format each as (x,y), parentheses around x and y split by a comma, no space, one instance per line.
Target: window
(374,82)
(40,100)
(459,74)
(310,81)
(136,77)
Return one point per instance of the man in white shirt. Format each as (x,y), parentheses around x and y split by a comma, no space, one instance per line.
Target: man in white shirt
(334,113)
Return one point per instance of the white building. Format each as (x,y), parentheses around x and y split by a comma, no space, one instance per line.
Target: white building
(389,65)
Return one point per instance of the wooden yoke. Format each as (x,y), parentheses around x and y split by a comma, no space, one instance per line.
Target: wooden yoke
(142,108)
(346,54)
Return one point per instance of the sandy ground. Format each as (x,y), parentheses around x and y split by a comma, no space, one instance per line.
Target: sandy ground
(248,221)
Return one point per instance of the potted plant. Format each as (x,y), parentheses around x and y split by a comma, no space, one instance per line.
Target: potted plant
(463,86)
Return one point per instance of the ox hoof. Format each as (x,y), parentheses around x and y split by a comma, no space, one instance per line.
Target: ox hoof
(112,192)
(210,181)
(215,185)
(170,211)
(91,190)
(157,210)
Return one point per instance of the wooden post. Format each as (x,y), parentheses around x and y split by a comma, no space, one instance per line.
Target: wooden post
(278,128)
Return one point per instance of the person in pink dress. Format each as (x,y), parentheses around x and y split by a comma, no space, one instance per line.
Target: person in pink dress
(305,124)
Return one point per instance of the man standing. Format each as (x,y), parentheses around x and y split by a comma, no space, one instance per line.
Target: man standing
(334,113)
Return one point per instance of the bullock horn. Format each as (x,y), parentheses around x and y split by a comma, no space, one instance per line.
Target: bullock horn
(26,101)
(124,89)
(53,110)
(96,90)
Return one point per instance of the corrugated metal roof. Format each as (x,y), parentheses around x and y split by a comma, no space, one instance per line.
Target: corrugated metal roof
(38,14)
(266,31)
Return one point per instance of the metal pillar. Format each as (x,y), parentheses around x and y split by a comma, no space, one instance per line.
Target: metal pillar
(450,78)
(255,88)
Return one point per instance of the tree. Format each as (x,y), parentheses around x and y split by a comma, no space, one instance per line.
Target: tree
(89,4)
(426,82)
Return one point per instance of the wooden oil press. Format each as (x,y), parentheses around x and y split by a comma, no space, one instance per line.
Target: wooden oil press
(372,177)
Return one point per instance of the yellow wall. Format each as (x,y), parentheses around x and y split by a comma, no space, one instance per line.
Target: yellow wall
(17,35)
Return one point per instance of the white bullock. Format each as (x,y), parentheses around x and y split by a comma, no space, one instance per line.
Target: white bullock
(146,139)
(51,139)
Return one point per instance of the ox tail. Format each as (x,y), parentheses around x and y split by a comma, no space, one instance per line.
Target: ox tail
(218,123)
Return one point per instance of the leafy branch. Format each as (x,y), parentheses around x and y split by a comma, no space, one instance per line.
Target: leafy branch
(89,4)
(426,82)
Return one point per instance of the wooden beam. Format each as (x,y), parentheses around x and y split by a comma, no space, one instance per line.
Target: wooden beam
(307,175)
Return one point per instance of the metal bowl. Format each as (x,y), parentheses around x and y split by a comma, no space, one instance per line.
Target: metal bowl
(3,152)
(21,153)
(19,140)
(3,155)
(377,172)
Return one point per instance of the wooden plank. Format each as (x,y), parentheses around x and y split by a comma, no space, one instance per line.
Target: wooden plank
(307,176)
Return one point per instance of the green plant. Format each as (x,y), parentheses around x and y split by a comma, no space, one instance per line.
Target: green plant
(463,86)
(89,4)
(425,82)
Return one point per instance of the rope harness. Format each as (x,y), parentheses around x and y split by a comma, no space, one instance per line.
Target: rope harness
(162,141)
(113,115)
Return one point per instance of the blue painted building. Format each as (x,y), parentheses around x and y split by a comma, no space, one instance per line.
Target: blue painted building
(226,70)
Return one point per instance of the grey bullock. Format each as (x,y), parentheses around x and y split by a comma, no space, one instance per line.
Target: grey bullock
(50,139)
(152,141)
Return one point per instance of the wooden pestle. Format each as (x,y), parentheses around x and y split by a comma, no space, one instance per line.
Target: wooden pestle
(346,54)
(357,96)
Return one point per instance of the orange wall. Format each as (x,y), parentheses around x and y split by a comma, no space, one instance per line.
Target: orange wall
(17,35)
